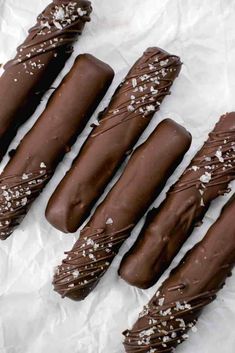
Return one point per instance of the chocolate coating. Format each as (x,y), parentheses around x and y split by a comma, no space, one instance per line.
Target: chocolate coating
(120,126)
(168,226)
(111,224)
(193,284)
(37,63)
(43,147)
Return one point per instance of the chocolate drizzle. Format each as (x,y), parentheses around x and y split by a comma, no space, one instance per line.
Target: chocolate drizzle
(143,179)
(163,327)
(218,165)
(167,227)
(37,63)
(66,114)
(89,259)
(57,26)
(16,195)
(117,131)
(144,89)
(192,285)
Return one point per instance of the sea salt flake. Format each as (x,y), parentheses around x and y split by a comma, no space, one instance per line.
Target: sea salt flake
(195,168)
(24,176)
(75,274)
(24,201)
(163,62)
(161,301)
(148,332)
(59,14)
(218,154)
(81,12)
(150,108)
(130,108)
(57,25)
(43,165)
(134,82)
(206,178)
(109,221)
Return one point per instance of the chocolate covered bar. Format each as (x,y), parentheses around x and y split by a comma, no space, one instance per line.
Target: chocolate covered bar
(192,285)
(43,147)
(168,226)
(37,63)
(120,126)
(111,224)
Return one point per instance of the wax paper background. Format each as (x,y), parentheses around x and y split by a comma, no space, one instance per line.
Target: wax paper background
(34,319)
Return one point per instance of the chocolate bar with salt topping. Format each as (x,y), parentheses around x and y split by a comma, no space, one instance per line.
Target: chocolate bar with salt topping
(168,226)
(142,180)
(119,128)
(37,63)
(43,147)
(175,308)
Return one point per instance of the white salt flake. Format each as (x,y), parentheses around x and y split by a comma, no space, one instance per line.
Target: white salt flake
(134,82)
(109,221)
(75,274)
(57,25)
(161,301)
(59,14)
(43,165)
(81,12)
(206,178)
(195,168)
(218,154)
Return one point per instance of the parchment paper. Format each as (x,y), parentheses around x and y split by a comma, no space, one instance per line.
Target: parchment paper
(34,319)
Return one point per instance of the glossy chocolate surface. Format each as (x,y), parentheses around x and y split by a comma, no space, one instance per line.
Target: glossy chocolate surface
(142,180)
(192,285)
(168,226)
(43,147)
(38,61)
(119,128)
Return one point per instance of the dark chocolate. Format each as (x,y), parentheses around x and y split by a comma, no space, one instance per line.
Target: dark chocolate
(43,147)
(168,226)
(120,126)
(142,180)
(192,285)
(37,63)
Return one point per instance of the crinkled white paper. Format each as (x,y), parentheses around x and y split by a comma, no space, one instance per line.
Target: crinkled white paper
(34,319)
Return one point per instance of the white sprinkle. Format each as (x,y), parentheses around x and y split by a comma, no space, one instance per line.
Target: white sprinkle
(43,165)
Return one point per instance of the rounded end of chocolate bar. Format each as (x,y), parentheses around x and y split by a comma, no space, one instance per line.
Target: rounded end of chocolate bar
(129,273)
(55,215)
(97,65)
